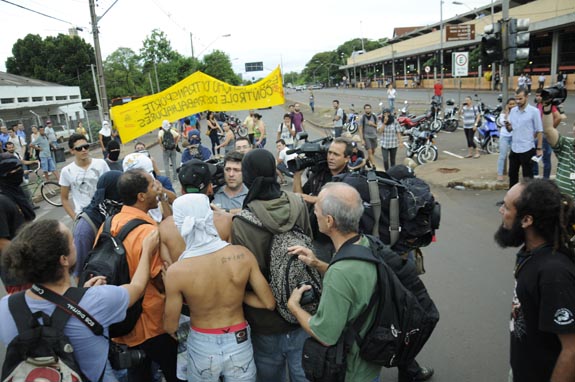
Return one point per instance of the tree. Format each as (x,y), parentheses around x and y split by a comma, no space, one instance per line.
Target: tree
(124,74)
(62,59)
(218,65)
(291,77)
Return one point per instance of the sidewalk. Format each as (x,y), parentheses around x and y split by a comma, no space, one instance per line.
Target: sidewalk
(447,171)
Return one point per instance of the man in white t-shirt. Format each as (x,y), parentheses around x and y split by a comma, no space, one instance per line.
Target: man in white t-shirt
(286,131)
(282,161)
(80,177)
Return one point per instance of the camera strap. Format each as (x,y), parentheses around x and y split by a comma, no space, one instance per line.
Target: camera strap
(67,304)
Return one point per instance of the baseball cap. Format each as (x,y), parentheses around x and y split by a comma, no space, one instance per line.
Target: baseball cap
(195,175)
(194,132)
(138,161)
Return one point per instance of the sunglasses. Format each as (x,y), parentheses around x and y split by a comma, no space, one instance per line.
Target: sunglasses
(83,147)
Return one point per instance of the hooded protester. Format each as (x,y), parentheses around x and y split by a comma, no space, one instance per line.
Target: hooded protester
(113,158)
(195,222)
(104,136)
(15,210)
(194,148)
(277,343)
(105,202)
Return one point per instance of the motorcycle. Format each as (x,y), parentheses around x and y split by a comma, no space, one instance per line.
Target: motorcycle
(421,145)
(351,125)
(409,121)
(435,122)
(451,116)
(487,136)
(234,123)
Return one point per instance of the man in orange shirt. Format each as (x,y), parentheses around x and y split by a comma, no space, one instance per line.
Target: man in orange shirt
(140,192)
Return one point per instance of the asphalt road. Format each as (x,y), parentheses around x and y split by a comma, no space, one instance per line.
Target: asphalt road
(468,276)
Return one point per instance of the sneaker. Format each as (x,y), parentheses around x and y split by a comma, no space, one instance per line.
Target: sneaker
(424,374)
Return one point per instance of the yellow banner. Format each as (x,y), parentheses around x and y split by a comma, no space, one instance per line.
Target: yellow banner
(196,93)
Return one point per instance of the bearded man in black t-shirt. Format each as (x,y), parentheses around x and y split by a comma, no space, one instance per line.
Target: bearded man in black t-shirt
(539,218)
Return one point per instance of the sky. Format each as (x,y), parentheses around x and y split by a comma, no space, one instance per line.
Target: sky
(277,33)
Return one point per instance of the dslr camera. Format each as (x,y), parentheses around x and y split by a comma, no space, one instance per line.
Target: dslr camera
(121,358)
(312,154)
(218,179)
(309,296)
(554,95)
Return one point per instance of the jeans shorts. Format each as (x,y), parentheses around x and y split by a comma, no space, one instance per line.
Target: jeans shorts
(47,164)
(213,355)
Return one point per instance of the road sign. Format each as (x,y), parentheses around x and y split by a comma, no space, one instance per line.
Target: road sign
(254,66)
(427,69)
(461,32)
(460,64)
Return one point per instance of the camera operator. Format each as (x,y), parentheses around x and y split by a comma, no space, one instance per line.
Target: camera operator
(338,155)
(564,147)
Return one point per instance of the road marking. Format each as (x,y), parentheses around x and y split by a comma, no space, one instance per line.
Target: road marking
(452,154)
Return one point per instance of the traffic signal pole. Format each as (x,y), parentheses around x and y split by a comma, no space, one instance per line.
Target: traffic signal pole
(504,38)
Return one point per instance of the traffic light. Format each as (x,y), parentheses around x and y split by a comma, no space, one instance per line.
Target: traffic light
(518,43)
(491,48)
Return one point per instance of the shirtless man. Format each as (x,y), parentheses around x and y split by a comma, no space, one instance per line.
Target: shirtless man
(195,177)
(212,275)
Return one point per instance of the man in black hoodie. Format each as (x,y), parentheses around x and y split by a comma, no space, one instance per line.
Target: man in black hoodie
(275,341)
(15,210)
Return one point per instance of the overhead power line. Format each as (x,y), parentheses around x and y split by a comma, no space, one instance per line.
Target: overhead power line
(32,10)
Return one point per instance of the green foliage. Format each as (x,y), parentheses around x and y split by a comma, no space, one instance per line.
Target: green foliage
(218,65)
(59,59)
(291,77)
(475,60)
(123,73)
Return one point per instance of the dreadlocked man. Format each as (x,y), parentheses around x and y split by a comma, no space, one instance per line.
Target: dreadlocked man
(539,218)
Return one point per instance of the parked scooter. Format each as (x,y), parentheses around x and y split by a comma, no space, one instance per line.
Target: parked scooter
(351,125)
(451,116)
(487,136)
(421,145)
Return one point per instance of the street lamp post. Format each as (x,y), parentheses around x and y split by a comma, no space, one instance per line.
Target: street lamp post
(477,16)
(211,43)
(441,39)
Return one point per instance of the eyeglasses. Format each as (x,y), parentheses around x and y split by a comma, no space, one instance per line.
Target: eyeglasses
(83,147)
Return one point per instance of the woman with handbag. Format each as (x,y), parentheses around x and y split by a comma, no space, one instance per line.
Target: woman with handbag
(214,132)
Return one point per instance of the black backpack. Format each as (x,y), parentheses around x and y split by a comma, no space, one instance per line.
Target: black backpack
(344,116)
(108,258)
(168,140)
(405,314)
(402,213)
(40,350)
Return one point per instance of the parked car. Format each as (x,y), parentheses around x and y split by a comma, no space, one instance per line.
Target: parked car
(63,133)
(315,86)
(300,88)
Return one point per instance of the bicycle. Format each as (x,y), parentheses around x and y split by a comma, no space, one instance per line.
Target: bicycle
(49,189)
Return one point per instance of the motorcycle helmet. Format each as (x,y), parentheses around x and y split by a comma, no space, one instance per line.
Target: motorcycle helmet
(450,102)
(386,110)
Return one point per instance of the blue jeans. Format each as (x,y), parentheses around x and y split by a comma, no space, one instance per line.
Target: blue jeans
(213,355)
(391,104)
(547,150)
(271,353)
(504,147)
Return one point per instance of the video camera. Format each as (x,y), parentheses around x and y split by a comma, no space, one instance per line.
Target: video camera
(311,154)
(218,179)
(554,95)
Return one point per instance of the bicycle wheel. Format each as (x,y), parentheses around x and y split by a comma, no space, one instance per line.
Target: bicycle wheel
(51,193)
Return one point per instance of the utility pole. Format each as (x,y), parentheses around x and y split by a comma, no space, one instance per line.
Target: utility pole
(98,99)
(192,42)
(504,38)
(99,64)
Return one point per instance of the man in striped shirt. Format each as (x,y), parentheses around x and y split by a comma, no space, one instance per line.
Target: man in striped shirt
(564,148)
